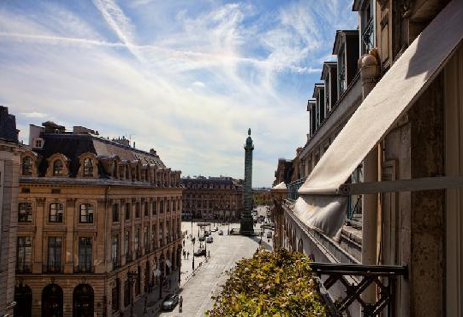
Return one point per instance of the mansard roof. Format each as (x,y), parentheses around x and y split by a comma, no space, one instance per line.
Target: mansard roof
(73,145)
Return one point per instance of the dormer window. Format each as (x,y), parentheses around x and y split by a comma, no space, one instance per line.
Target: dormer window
(88,167)
(27,166)
(58,167)
(367,26)
(38,143)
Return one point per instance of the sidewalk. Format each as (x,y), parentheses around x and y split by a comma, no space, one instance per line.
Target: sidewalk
(153,303)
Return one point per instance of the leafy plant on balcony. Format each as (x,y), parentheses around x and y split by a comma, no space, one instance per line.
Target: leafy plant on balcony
(276,283)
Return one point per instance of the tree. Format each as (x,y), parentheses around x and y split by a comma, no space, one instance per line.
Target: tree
(278,283)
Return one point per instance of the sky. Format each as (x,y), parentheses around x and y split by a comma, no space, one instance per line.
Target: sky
(185,77)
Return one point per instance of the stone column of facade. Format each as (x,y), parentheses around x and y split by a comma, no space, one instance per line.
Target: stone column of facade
(247,223)
(369,72)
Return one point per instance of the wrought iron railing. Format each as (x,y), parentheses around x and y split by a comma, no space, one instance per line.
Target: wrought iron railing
(53,268)
(293,187)
(383,276)
(368,36)
(116,263)
(23,268)
(84,268)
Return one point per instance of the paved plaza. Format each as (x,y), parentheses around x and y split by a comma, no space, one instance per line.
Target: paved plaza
(197,287)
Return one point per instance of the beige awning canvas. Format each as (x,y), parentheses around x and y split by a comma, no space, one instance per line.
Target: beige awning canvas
(320,206)
(398,89)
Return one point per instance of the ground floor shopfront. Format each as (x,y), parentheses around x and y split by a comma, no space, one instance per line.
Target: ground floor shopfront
(82,295)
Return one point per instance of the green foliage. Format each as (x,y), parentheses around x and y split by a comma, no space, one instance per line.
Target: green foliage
(278,284)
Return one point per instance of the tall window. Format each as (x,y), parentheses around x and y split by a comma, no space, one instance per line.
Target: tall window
(342,69)
(161,206)
(25,212)
(168,231)
(146,209)
(85,254)
(146,240)
(88,167)
(161,240)
(54,254)
(115,295)
(127,211)
(55,213)
(23,262)
(137,241)
(137,210)
(58,168)
(115,213)
(115,250)
(27,166)
(127,292)
(368,36)
(86,213)
(153,206)
(153,236)
(126,246)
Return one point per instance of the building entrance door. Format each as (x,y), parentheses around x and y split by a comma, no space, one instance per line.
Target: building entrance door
(83,301)
(52,301)
(23,299)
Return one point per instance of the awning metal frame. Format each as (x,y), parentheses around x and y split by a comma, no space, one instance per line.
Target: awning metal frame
(405,185)
(383,276)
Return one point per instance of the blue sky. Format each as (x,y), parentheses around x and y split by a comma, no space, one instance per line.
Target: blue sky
(185,77)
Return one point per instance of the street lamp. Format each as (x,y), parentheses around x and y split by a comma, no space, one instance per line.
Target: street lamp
(158,273)
(193,263)
(131,276)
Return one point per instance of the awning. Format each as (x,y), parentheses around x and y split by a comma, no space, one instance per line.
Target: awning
(397,90)
(320,205)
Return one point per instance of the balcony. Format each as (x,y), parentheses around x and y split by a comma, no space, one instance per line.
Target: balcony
(84,268)
(54,268)
(293,187)
(23,268)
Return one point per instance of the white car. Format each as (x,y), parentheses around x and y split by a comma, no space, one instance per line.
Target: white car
(215,229)
(209,239)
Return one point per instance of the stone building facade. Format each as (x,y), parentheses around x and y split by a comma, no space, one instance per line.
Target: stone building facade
(220,198)
(10,153)
(96,220)
(419,225)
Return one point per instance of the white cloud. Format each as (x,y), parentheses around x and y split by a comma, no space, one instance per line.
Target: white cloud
(156,89)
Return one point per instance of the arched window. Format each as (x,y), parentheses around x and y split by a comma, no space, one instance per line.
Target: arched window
(58,168)
(27,166)
(88,167)
(55,213)
(86,213)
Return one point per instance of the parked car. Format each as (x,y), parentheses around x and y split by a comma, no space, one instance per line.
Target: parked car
(220,233)
(201,238)
(170,302)
(209,239)
(269,234)
(215,229)
(200,252)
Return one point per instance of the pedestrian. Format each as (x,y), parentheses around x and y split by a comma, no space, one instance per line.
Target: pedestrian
(183,243)
(187,255)
(184,253)
(180,301)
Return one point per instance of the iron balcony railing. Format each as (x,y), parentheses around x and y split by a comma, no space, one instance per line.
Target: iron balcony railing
(293,187)
(23,268)
(383,277)
(84,268)
(116,263)
(53,268)
(368,36)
